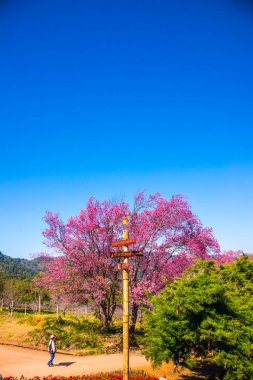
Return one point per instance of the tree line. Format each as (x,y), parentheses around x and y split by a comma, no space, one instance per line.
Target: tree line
(19,267)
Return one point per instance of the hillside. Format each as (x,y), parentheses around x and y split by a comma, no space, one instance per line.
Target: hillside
(19,267)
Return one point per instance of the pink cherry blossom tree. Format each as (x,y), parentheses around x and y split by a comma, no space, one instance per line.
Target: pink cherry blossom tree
(227,256)
(167,231)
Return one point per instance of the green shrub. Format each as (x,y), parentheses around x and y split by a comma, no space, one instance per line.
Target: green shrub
(207,313)
(82,333)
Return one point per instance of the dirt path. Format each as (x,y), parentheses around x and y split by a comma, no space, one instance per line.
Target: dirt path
(16,361)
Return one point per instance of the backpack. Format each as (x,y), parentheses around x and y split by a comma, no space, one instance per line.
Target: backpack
(50,348)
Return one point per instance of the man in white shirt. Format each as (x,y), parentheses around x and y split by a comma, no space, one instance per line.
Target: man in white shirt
(51,350)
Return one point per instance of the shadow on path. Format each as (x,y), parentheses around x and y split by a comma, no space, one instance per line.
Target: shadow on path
(204,372)
(64,364)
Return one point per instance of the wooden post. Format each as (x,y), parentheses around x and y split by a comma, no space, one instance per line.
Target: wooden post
(125,314)
(124,267)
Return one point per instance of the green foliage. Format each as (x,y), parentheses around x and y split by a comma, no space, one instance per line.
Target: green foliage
(82,333)
(208,314)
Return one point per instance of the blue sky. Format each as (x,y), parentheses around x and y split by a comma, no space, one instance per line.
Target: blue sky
(105,98)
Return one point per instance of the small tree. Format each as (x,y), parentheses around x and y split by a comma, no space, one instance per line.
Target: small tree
(39,295)
(207,313)
(13,293)
(26,293)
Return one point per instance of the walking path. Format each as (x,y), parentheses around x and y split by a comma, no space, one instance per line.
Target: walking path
(17,361)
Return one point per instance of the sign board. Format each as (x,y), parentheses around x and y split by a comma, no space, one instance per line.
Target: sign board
(122,254)
(121,243)
(137,253)
(123,266)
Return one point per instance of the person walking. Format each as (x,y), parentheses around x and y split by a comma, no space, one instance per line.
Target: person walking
(51,350)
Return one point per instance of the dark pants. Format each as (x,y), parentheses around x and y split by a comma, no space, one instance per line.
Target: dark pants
(51,359)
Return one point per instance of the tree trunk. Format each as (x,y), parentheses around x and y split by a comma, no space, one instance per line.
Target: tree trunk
(39,305)
(141,316)
(107,312)
(134,316)
(11,306)
(57,311)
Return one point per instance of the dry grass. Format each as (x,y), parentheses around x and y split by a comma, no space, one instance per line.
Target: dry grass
(12,332)
(168,371)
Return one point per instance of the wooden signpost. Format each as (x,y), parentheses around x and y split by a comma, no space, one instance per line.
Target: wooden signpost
(122,254)
(124,267)
(137,253)
(123,243)
(126,254)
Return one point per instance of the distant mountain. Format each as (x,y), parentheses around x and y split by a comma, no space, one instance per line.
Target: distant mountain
(20,267)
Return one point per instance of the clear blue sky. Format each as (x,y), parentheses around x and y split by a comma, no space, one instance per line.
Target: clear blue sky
(104,98)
